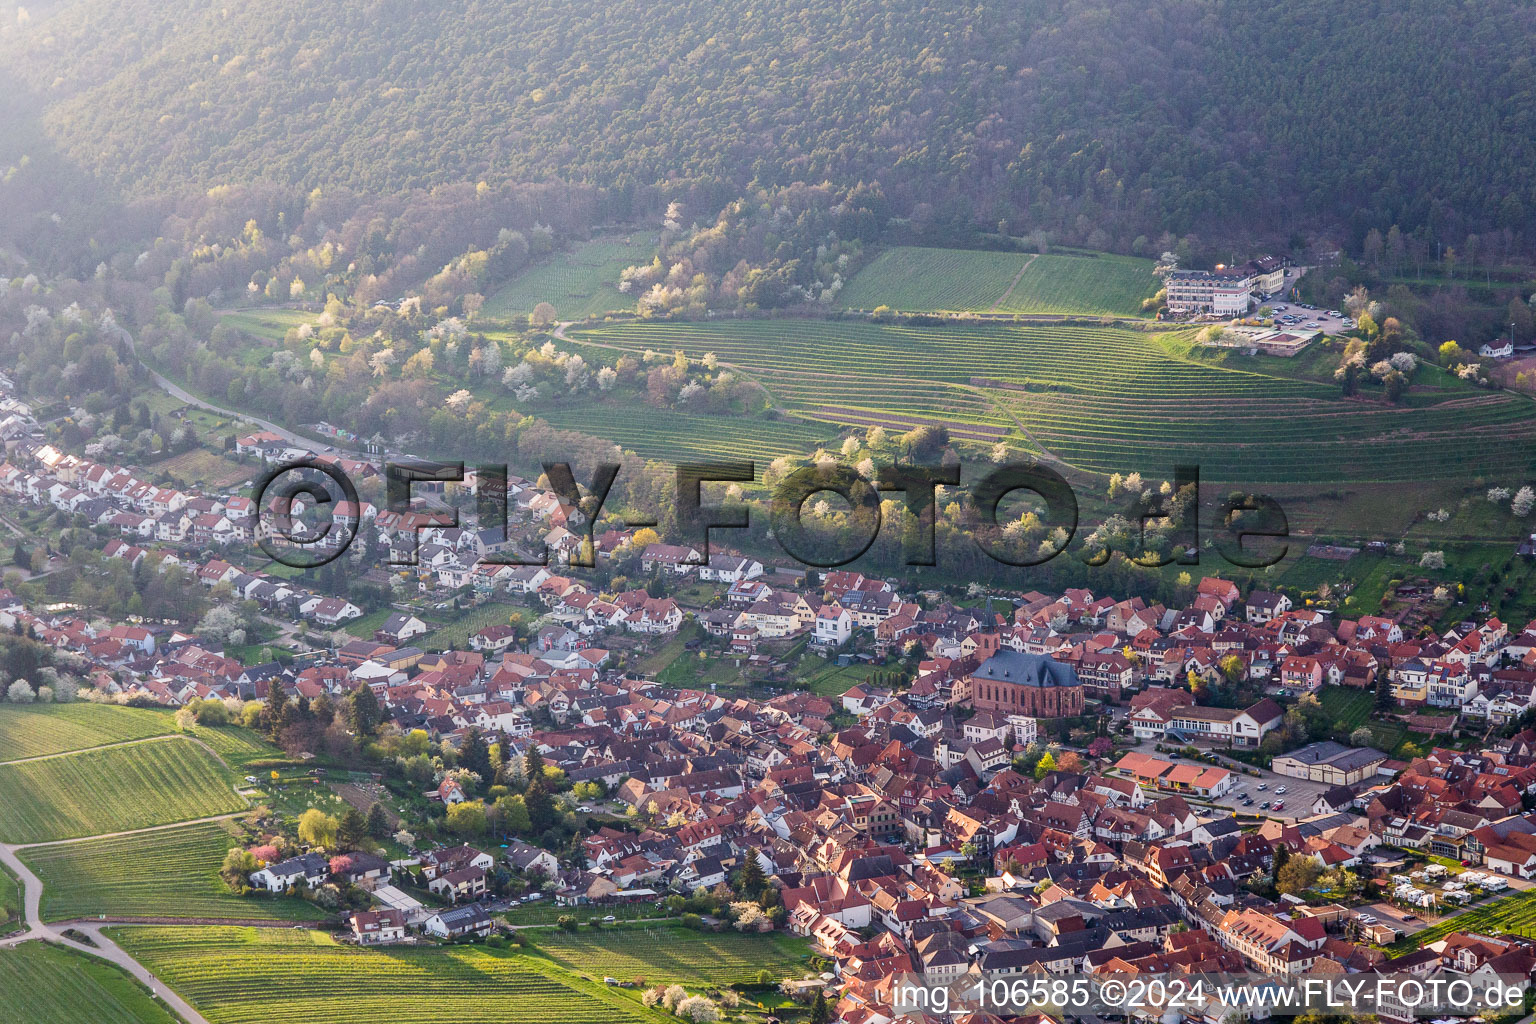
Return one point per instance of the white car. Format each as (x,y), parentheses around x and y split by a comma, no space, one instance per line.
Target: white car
(1280,791)
(609,919)
(1313,325)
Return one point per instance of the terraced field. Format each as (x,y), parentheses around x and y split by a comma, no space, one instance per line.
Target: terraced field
(1099,399)
(43,984)
(917,278)
(580,283)
(669,953)
(279,976)
(169,873)
(34,730)
(120,788)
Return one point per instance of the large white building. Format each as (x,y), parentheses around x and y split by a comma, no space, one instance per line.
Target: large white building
(1223,291)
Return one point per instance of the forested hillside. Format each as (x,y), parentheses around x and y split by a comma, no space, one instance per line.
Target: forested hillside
(1099,120)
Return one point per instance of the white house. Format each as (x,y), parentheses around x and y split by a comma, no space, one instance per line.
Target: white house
(309,869)
(833,625)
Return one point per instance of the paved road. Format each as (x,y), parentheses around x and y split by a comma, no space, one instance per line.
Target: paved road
(180,394)
(105,948)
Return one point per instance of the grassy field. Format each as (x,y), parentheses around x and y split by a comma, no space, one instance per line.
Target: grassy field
(1511,915)
(1106,285)
(678,436)
(34,730)
(121,788)
(455,635)
(203,468)
(238,746)
(266,976)
(269,324)
(10,901)
(43,984)
(1348,705)
(1353,708)
(170,873)
(671,953)
(365,627)
(580,283)
(917,278)
(547,913)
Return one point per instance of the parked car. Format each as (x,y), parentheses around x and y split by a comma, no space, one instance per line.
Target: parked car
(1263,786)
(1279,790)
(1279,805)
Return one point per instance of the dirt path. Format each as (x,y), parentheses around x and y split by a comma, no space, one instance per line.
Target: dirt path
(1012,284)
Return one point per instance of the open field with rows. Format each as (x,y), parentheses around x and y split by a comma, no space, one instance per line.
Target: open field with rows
(10,902)
(33,730)
(267,976)
(238,746)
(918,279)
(580,283)
(1353,708)
(1107,285)
(120,788)
(43,984)
(169,873)
(671,953)
(456,633)
(1510,915)
(1347,705)
(1100,400)
(680,436)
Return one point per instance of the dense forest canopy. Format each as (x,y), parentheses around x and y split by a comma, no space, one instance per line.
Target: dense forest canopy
(1099,120)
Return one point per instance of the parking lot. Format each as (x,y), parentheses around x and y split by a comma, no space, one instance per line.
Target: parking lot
(1298,797)
(1300,317)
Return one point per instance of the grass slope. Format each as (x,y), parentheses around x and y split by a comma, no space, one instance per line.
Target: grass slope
(238,746)
(1107,285)
(265,976)
(173,873)
(913,277)
(10,901)
(37,729)
(670,953)
(121,788)
(580,283)
(43,984)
